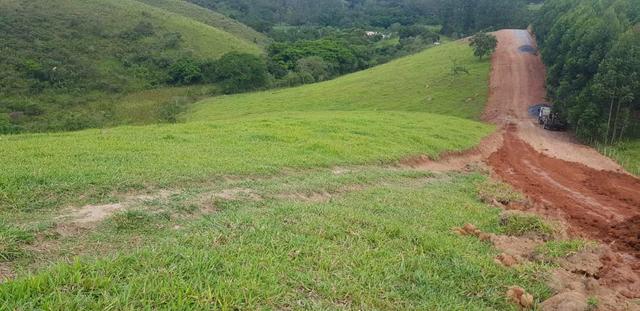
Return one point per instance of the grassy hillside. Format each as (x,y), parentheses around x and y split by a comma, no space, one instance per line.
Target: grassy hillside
(63,54)
(276,200)
(387,246)
(96,162)
(421,82)
(264,132)
(109,37)
(211,18)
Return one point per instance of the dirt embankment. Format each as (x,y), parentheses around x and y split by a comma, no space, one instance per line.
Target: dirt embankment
(591,193)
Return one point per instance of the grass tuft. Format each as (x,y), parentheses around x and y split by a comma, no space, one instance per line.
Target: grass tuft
(11,241)
(137,220)
(490,190)
(522,224)
(560,248)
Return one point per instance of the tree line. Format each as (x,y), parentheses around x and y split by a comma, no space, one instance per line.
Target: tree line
(592,52)
(459,17)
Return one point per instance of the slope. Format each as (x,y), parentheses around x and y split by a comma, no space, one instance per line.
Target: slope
(421,82)
(62,54)
(277,134)
(278,210)
(211,18)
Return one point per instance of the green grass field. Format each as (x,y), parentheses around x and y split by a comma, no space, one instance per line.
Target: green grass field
(298,131)
(202,39)
(421,82)
(49,169)
(211,18)
(287,199)
(387,245)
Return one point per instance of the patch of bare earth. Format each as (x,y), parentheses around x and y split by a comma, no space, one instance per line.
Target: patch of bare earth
(86,217)
(467,160)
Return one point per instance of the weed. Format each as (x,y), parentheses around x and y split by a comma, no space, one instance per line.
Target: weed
(560,248)
(490,190)
(592,303)
(11,241)
(137,220)
(522,224)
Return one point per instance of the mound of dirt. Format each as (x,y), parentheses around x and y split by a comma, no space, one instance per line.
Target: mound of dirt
(567,301)
(472,230)
(520,297)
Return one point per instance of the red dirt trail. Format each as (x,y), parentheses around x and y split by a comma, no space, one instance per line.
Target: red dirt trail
(591,193)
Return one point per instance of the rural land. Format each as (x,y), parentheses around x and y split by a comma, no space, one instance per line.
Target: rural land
(320,155)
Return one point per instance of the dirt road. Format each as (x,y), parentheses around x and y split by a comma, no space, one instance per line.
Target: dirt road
(565,179)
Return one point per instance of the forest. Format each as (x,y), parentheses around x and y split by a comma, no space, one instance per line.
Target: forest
(592,52)
(460,17)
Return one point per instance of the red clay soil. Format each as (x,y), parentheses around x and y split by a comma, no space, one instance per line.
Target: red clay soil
(591,193)
(600,205)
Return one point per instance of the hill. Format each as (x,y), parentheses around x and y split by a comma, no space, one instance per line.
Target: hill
(370,111)
(300,202)
(211,18)
(62,54)
(421,82)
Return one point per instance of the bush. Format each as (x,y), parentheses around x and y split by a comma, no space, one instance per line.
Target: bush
(6,127)
(315,67)
(141,30)
(185,71)
(240,72)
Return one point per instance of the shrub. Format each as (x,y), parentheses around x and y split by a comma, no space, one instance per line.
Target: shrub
(240,72)
(315,67)
(185,71)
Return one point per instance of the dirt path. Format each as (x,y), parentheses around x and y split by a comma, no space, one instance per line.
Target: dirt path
(518,82)
(591,193)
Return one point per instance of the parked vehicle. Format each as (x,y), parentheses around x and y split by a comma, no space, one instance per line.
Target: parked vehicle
(544,114)
(551,120)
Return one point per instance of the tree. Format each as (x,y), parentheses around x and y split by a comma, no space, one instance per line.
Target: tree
(316,67)
(483,44)
(185,71)
(592,52)
(238,72)
(617,85)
